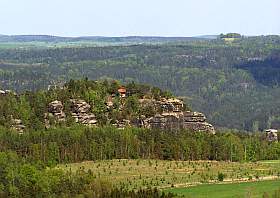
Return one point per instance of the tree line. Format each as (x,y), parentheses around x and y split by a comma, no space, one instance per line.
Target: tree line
(19,178)
(79,143)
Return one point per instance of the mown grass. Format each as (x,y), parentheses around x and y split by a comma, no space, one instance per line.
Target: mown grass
(248,189)
(135,174)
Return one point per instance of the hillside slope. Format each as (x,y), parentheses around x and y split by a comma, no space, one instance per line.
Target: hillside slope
(236,84)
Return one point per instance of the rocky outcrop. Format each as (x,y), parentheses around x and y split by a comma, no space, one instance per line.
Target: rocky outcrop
(271,135)
(163,105)
(55,109)
(55,113)
(174,117)
(168,114)
(170,105)
(196,121)
(165,121)
(6,92)
(81,112)
(17,125)
(121,124)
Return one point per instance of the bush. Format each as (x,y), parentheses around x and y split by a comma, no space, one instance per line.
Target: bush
(221,177)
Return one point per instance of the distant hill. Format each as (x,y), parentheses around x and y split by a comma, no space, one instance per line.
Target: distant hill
(31,38)
(135,39)
(236,84)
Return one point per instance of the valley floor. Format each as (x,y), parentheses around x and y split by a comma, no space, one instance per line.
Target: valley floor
(245,189)
(182,176)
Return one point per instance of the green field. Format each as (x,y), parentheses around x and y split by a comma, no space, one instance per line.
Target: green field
(247,189)
(136,174)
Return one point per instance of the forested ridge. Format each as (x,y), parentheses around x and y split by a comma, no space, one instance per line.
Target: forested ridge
(236,84)
(28,160)
(69,141)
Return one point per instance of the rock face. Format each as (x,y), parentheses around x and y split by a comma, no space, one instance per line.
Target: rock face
(173,117)
(121,124)
(55,113)
(271,135)
(168,114)
(197,121)
(55,109)
(6,92)
(171,105)
(17,125)
(81,112)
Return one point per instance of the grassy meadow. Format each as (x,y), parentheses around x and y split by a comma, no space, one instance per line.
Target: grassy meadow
(136,174)
(246,189)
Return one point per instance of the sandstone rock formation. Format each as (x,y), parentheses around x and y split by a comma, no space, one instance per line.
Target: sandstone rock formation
(17,125)
(55,113)
(81,112)
(171,105)
(271,135)
(56,109)
(168,114)
(121,124)
(6,92)
(197,121)
(173,117)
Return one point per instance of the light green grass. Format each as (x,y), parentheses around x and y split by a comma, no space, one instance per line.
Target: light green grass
(248,189)
(135,174)
(270,162)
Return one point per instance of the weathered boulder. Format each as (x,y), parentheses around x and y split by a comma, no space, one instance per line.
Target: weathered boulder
(166,121)
(200,126)
(271,135)
(6,92)
(55,110)
(190,116)
(55,107)
(164,104)
(171,105)
(81,112)
(79,106)
(121,124)
(17,125)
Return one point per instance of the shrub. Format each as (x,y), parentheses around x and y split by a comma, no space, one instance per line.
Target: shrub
(221,176)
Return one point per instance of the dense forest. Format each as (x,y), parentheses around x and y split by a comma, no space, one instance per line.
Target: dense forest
(79,143)
(28,160)
(69,141)
(235,83)
(19,178)
(34,110)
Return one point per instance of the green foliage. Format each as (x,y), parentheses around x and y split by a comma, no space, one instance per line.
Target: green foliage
(79,143)
(221,177)
(31,107)
(226,81)
(21,179)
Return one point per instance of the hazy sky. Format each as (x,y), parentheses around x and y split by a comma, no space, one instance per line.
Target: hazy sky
(141,17)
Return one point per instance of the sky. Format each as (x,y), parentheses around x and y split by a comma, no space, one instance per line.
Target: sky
(139,17)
